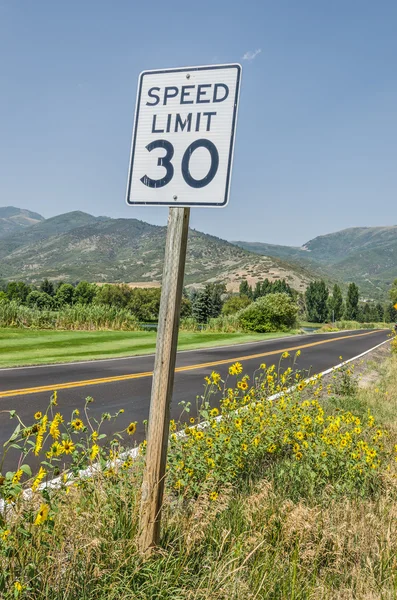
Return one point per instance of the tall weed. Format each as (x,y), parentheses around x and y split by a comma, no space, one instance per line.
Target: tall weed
(78,317)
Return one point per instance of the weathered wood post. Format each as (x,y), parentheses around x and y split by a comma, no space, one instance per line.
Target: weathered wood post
(163,379)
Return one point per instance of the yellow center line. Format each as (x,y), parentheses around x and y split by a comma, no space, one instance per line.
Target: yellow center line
(215,363)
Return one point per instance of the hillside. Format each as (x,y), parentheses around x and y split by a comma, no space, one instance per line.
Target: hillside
(366,255)
(14,220)
(77,246)
(286,252)
(43,230)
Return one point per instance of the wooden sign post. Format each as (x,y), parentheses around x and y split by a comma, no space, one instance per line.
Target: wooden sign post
(163,378)
(181,156)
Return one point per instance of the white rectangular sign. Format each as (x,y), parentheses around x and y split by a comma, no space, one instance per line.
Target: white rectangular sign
(183,139)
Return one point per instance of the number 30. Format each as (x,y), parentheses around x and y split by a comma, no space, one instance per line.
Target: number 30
(165,161)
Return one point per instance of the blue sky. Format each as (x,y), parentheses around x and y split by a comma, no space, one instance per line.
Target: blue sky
(316,143)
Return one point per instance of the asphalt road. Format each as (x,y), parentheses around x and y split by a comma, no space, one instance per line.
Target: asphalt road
(126,382)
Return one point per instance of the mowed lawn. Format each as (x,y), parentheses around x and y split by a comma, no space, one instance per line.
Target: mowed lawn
(33,347)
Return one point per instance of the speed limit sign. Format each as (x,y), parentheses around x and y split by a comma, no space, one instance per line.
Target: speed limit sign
(183,139)
(181,156)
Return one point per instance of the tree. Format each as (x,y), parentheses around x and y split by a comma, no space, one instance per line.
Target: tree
(145,303)
(47,287)
(245,289)
(390,313)
(234,304)
(351,311)
(201,306)
(257,293)
(85,292)
(380,313)
(301,303)
(273,312)
(18,291)
(282,287)
(373,313)
(186,307)
(393,292)
(40,300)
(317,301)
(3,298)
(64,294)
(113,295)
(266,287)
(335,303)
(364,313)
(215,291)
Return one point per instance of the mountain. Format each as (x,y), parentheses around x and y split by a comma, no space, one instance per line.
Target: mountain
(14,219)
(287,252)
(366,255)
(44,229)
(77,246)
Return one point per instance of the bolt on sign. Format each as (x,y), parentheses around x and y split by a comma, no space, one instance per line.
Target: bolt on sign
(183,140)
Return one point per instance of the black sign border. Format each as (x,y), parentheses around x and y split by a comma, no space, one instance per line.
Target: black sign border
(232,137)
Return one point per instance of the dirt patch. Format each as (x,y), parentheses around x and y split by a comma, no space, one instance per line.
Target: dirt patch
(367,379)
(135,284)
(365,368)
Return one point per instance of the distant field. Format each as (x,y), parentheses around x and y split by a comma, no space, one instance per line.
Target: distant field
(33,347)
(311,325)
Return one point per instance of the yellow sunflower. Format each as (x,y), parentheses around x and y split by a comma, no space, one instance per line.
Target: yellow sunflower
(68,446)
(77,424)
(42,515)
(131,429)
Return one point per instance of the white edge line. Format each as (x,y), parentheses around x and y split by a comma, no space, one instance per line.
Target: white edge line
(132,356)
(134,452)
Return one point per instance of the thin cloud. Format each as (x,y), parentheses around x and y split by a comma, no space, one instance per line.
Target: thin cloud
(251,55)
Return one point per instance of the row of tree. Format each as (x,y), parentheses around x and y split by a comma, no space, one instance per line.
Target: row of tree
(316,305)
(321,306)
(213,300)
(144,303)
(262,288)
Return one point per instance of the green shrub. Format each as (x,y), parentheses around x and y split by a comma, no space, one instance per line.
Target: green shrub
(84,292)
(234,304)
(356,325)
(145,303)
(40,300)
(64,294)
(190,324)
(223,324)
(274,312)
(344,383)
(113,295)
(3,298)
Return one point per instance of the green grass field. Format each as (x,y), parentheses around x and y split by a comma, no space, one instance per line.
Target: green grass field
(33,347)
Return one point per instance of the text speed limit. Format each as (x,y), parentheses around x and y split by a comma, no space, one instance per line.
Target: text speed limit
(183,140)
